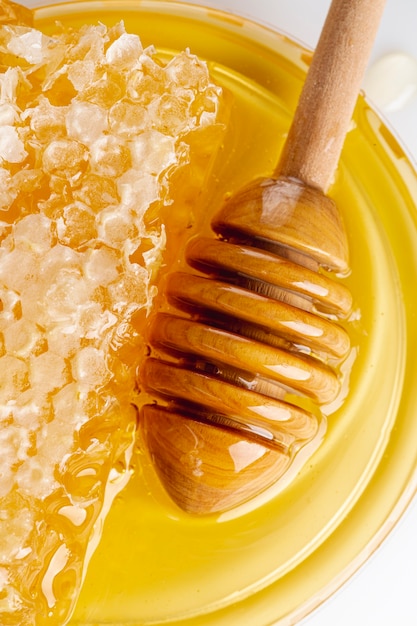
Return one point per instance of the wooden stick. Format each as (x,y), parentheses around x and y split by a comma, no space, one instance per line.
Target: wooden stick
(328,99)
(191,439)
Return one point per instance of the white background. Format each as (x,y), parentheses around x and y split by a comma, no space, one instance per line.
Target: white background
(384,591)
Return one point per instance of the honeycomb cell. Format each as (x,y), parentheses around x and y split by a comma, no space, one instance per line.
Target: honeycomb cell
(84,177)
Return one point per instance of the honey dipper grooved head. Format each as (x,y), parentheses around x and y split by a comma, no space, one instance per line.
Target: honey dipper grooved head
(230,428)
(288,217)
(202,472)
(291,214)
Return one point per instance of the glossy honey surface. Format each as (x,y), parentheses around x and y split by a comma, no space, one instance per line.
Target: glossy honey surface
(269,560)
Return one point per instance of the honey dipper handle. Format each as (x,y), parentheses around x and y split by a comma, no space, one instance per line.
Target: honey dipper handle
(326,104)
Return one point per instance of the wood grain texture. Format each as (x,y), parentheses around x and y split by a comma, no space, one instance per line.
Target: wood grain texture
(255,334)
(328,98)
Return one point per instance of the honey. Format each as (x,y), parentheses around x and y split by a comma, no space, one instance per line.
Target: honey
(92,127)
(262,562)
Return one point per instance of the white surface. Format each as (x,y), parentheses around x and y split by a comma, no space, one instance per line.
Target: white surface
(383,592)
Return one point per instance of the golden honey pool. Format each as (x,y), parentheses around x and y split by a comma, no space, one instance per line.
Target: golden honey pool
(277,558)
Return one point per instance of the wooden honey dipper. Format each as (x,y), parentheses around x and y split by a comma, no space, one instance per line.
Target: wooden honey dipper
(253,332)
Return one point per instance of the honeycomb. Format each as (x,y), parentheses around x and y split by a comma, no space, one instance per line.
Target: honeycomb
(93,130)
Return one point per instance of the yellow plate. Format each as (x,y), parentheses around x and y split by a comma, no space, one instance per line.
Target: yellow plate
(280,559)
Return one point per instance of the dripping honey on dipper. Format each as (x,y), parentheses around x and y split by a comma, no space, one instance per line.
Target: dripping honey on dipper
(256,327)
